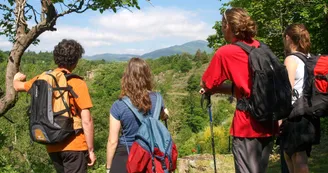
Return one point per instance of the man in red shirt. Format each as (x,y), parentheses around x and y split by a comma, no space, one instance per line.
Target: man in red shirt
(252,140)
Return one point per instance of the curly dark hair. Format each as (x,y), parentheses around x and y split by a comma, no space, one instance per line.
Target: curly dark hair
(67,53)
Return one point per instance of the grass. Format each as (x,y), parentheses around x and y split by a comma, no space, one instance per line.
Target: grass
(204,163)
(318,162)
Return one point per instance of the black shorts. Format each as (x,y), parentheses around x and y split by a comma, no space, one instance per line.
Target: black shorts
(299,134)
(119,160)
(70,161)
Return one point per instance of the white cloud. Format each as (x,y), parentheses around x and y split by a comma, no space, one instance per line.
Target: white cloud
(156,22)
(125,32)
(5,44)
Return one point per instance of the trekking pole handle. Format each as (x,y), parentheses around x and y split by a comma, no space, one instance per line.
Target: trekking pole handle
(207,97)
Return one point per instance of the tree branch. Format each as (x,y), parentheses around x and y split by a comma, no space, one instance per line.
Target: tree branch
(150,3)
(128,9)
(76,10)
(34,12)
(22,41)
(85,9)
(66,5)
(25,37)
(20,18)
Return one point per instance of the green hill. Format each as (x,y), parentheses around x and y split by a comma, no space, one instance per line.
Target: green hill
(111,57)
(190,47)
(176,77)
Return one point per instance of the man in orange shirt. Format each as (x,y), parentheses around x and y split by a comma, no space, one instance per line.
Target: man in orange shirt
(76,153)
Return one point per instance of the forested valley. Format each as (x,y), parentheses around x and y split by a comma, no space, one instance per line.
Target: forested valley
(177,77)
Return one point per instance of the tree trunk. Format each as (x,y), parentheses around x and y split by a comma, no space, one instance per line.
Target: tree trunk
(23,40)
(22,43)
(8,101)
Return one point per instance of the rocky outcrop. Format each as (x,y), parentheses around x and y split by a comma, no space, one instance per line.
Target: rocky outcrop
(204,163)
(90,75)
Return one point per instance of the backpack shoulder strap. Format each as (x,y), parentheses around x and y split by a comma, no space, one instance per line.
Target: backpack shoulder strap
(68,77)
(263,44)
(244,46)
(72,75)
(299,55)
(158,106)
(59,90)
(135,111)
(303,58)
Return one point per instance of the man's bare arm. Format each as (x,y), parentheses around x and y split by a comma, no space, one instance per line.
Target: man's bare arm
(88,129)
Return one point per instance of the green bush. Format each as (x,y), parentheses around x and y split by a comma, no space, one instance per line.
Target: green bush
(202,142)
(222,110)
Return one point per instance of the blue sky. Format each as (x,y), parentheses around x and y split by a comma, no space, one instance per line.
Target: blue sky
(162,24)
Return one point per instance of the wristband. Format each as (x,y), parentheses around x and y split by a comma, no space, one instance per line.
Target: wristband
(107,170)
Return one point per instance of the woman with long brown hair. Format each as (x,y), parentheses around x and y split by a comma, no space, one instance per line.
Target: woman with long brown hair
(137,85)
(298,132)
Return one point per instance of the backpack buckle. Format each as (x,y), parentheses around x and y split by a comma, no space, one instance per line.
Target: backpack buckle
(322,77)
(242,104)
(163,164)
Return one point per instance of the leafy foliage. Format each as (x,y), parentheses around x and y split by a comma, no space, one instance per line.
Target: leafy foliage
(188,123)
(201,58)
(216,40)
(193,83)
(15,19)
(188,120)
(8,19)
(273,16)
(223,112)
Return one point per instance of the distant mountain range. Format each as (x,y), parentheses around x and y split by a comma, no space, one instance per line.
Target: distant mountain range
(190,47)
(111,57)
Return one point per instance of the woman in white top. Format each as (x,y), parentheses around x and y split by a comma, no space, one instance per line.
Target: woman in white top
(296,149)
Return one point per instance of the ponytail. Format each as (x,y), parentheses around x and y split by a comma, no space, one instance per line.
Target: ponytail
(300,37)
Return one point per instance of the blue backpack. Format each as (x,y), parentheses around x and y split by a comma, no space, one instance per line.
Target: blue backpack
(153,149)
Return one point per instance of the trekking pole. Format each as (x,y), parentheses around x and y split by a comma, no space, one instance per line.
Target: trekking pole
(166,112)
(11,121)
(209,105)
(230,99)
(229,144)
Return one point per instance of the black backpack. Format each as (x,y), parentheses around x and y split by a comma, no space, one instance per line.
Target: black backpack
(50,117)
(271,92)
(314,101)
